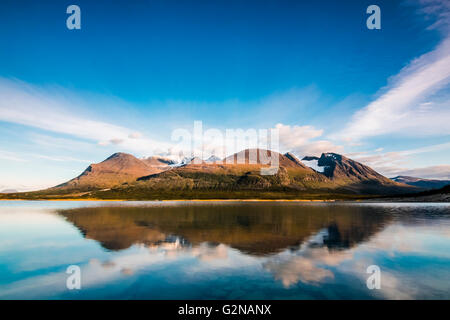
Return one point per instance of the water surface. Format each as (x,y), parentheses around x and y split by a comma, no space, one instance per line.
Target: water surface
(224,250)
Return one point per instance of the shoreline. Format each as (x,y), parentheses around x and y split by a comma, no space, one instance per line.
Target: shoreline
(240,200)
(180,200)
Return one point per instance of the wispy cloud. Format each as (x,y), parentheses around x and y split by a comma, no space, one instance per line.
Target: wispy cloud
(398,110)
(11,156)
(28,105)
(396,163)
(60,159)
(441,172)
(414,102)
(26,157)
(437,11)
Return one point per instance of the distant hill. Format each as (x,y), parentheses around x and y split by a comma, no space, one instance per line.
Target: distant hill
(9,191)
(246,174)
(213,159)
(422,183)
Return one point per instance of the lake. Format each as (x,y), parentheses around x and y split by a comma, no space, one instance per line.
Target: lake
(224,250)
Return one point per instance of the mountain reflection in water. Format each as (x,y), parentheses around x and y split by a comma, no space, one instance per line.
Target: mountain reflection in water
(224,250)
(252,228)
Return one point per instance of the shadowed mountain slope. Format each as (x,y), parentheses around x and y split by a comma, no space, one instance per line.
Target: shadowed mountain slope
(354,176)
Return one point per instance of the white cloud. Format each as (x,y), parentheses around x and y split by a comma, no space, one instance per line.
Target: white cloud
(440,172)
(135,135)
(297,269)
(437,11)
(301,140)
(297,136)
(398,110)
(32,106)
(396,163)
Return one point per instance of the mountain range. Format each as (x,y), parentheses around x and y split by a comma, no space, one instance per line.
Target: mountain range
(422,183)
(245,174)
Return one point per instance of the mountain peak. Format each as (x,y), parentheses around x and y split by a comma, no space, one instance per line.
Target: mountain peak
(119,155)
(340,167)
(309,158)
(213,159)
(158,161)
(293,158)
(117,169)
(313,163)
(332,156)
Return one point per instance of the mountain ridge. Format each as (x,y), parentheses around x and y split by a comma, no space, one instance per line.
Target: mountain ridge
(242,174)
(422,182)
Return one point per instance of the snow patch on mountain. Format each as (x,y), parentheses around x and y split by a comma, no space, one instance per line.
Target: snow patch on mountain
(313,164)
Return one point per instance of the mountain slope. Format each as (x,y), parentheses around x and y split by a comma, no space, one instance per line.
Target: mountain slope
(422,183)
(353,176)
(115,170)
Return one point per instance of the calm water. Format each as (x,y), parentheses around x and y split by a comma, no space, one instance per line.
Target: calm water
(224,250)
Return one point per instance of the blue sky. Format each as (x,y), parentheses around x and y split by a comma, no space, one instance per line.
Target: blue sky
(137,70)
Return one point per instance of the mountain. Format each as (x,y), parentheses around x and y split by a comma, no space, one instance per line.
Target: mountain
(9,191)
(340,167)
(240,171)
(293,158)
(213,159)
(422,183)
(157,161)
(353,175)
(244,171)
(312,162)
(190,160)
(117,169)
(249,173)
